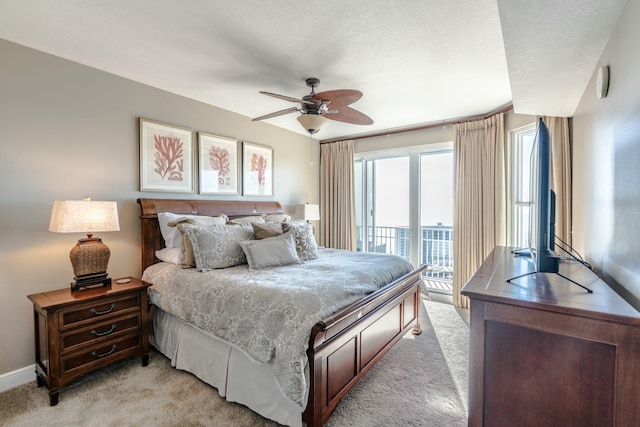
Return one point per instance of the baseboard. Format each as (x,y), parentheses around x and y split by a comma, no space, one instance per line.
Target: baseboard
(17,377)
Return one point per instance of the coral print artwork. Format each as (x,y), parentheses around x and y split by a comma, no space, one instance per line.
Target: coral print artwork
(166,157)
(218,165)
(259,167)
(257,170)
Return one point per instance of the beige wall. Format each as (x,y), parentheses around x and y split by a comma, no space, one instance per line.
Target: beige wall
(606,181)
(67,131)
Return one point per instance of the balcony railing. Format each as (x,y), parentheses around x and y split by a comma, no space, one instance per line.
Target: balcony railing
(436,243)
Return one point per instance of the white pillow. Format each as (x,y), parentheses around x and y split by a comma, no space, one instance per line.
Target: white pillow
(171,255)
(277,218)
(171,235)
(271,252)
(218,246)
(247,220)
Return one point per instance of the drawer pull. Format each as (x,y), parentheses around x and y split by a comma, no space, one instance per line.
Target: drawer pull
(113,348)
(100,313)
(101,334)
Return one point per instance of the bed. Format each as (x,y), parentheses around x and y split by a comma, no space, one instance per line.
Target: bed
(338,348)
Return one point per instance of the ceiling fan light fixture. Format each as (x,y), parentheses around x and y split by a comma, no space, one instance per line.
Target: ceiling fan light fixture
(311,122)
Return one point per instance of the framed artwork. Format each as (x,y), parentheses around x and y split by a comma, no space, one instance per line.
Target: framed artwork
(166,157)
(219,164)
(257,170)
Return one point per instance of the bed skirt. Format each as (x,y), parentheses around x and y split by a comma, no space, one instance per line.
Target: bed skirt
(236,377)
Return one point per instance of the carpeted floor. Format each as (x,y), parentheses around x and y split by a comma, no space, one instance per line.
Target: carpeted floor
(422,381)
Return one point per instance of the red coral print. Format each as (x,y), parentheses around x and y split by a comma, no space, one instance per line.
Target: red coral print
(168,157)
(259,164)
(220,161)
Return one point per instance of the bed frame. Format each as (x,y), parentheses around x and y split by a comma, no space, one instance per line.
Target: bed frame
(343,347)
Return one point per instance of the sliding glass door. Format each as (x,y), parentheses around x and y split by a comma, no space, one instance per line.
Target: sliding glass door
(404,206)
(383,206)
(436,219)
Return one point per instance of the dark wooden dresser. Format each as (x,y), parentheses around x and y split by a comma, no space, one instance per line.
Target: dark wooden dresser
(545,352)
(79,332)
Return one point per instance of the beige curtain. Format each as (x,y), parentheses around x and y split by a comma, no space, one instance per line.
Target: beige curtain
(479,212)
(337,198)
(561,174)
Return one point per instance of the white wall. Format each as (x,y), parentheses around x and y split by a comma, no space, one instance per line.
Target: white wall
(606,180)
(69,131)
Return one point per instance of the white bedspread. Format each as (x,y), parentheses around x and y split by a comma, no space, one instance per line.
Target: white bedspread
(269,313)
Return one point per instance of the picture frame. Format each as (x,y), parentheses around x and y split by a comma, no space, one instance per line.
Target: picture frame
(166,157)
(218,165)
(257,170)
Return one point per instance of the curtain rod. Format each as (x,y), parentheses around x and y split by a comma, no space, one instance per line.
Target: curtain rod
(499,110)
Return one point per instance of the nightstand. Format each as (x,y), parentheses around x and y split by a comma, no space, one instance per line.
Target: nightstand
(77,332)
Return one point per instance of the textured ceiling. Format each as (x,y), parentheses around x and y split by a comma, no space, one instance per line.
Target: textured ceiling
(416,62)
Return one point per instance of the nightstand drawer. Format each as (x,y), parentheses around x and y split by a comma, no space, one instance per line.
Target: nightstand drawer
(98,310)
(100,355)
(88,335)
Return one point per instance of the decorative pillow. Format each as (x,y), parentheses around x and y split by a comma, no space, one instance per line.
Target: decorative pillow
(266,230)
(276,218)
(247,220)
(171,255)
(217,246)
(187,259)
(306,245)
(271,252)
(171,235)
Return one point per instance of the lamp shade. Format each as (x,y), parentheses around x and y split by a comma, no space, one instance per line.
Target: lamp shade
(83,216)
(308,212)
(312,122)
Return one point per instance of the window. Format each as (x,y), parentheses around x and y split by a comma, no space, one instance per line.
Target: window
(518,193)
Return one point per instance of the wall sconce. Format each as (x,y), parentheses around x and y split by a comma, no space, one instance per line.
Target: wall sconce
(89,257)
(308,212)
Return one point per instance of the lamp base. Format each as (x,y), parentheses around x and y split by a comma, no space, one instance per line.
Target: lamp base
(89,259)
(87,281)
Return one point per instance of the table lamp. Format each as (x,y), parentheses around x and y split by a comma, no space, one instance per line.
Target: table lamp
(89,257)
(308,212)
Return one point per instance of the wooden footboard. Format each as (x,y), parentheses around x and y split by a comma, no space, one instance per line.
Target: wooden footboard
(343,348)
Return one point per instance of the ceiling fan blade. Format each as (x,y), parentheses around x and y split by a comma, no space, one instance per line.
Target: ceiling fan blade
(275,114)
(287,98)
(349,115)
(339,97)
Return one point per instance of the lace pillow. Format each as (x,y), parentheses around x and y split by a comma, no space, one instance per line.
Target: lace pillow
(306,245)
(271,252)
(171,235)
(266,230)
(218,246)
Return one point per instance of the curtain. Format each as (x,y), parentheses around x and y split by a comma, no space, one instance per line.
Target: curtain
(337,195)
(561,174)
(479,211)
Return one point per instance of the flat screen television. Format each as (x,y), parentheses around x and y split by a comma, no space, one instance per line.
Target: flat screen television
(542,207)
(542,210)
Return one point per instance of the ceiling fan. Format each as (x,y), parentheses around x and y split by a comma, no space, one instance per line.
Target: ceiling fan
(316,108)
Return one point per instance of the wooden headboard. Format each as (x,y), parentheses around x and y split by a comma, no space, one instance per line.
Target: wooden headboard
(151,239)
